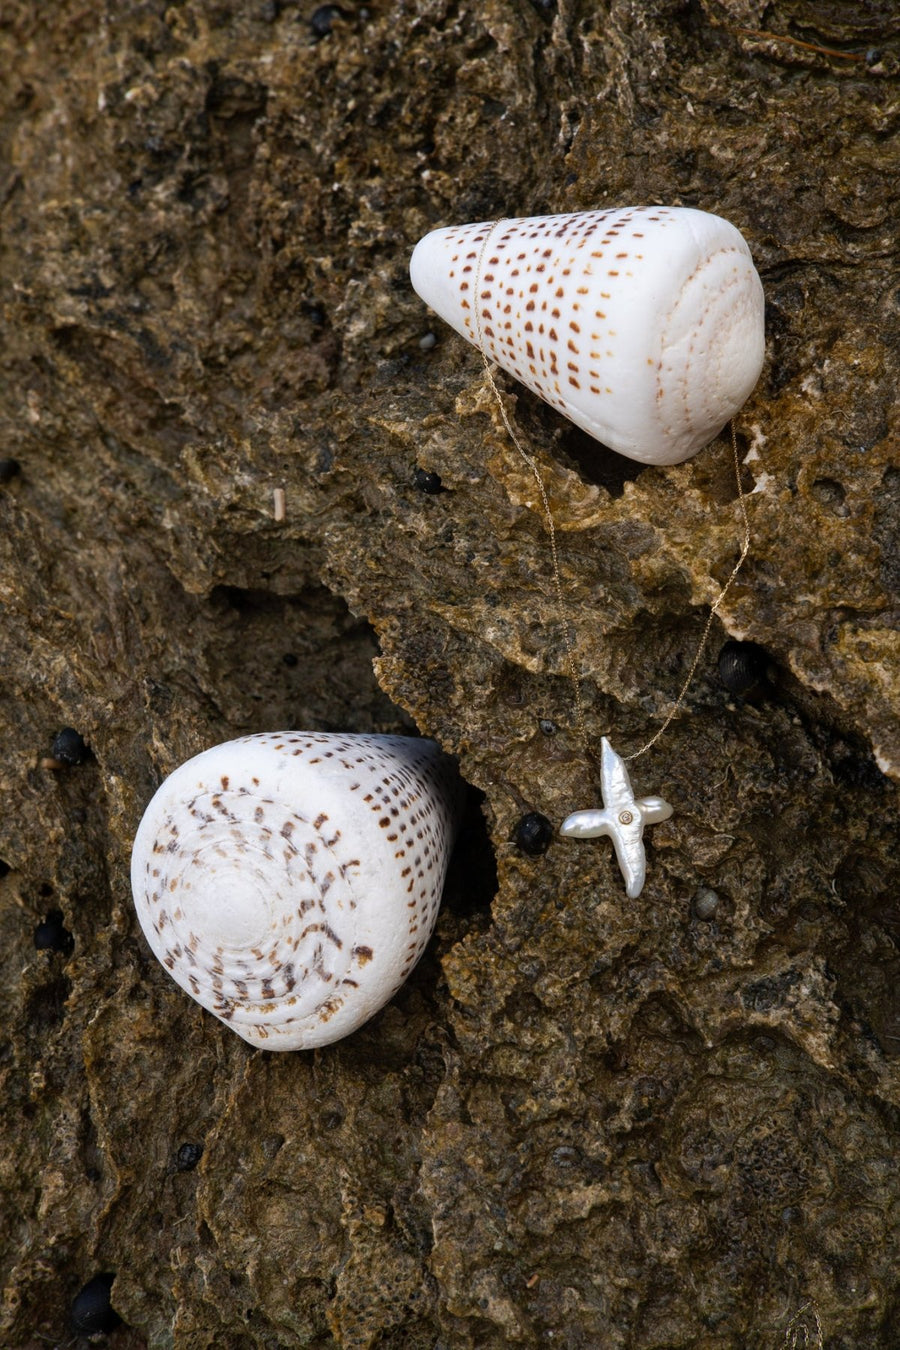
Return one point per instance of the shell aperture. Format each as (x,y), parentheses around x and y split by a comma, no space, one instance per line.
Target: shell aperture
(290,881)
(642,325)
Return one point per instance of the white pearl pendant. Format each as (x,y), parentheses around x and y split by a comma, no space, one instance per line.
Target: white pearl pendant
(289,882)
(642,325)
(622,819)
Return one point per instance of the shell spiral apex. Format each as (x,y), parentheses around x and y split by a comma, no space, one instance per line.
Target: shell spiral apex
(643,325)
(290,881)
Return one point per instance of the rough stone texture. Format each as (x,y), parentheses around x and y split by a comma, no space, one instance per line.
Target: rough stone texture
(585,1122)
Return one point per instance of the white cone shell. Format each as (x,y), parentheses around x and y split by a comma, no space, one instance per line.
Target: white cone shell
(290,881)
(643,325)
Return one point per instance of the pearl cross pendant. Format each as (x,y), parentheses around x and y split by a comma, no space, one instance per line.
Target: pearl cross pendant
(623,818)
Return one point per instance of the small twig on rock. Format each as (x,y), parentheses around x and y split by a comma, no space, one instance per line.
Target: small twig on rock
(796,42)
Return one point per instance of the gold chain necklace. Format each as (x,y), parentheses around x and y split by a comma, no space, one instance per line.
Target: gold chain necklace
(623,816)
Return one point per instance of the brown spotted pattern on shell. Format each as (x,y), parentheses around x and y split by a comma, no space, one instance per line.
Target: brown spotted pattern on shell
(290,881)
(643,325)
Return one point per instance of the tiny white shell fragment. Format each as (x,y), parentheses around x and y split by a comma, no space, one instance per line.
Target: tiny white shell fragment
(643,325)
(290,881)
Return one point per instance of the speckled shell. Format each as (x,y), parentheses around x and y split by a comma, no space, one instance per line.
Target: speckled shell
(290,881)
(643,325)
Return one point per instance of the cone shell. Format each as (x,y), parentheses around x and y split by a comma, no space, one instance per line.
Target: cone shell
(643,325)
(290,881)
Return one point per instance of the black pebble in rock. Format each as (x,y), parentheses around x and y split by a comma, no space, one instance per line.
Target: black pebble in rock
(426,481)
(52,935)
(69,747)
(9,468)
(188,1156)
(4,869)
(91,1307)
(742,665)
(533,834)
(321,20)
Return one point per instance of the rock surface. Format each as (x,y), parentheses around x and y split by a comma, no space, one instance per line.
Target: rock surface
(585,1121)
